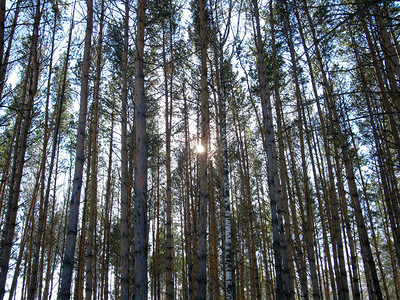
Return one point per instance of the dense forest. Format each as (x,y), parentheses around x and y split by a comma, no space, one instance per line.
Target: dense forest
(210,149)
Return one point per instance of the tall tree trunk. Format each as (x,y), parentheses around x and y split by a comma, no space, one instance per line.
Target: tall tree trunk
(2,23)
(309,222)
(80,269)
(214,290)
(90,256)
(27,227)
(125,240)
(168,120)
(282,162)
(333,206)
(375,129)
(283,288)
(188,197)
(51,254)
(374,290)
(7,162)
(203,157)
(19,153)
(107,223)
(221,69)
(44,201)
(6,55)
(68,261)
(141,237)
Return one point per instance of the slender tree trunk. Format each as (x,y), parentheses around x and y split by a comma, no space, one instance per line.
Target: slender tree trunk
(125,239)
(214,290)
(309,222)
(68,261)
(40,175)
(80,270)
(221,85)
(27,226)
(281,263)
(19,154)
(44,203)
(203,157)
(7,162)
(282,163)
(337,243)
(374,290)
(168,119)
(345,219)
(5,57)
(267,278)
(90,256)
(141,236)
(51,255)
(107,223)
(2,23)
(182,239)
(188,192)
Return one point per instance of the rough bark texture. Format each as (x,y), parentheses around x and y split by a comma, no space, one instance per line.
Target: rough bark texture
(141,238)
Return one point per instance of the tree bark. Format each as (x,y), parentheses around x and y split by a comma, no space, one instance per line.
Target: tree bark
(125,236)
(141,236)
(168,120)
(19,153)
(90,256)
(374,290)
(203,157)
(283,289)
(44,198)
(5,58)
(68,261)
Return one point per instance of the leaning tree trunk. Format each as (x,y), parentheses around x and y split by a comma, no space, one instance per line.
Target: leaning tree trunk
(68,261)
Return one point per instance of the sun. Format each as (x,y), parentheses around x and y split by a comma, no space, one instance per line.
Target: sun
(200,148)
